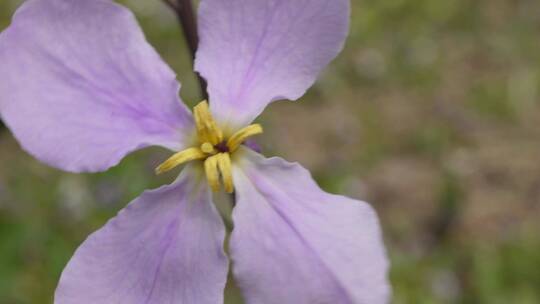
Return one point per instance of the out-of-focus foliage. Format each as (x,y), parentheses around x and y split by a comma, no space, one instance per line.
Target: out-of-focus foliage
(431,113)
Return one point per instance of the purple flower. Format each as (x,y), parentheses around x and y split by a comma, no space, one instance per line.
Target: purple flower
(81,88)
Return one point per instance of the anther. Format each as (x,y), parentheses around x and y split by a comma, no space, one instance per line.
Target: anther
(212,173)
(225,168)
(208,148)
(180,158)
(239,137)
(207,129)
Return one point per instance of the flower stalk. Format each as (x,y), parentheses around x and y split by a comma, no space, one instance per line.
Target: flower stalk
(186,16)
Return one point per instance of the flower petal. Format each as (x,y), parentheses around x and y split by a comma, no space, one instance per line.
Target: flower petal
(294,243)
(253,52)
(165,247)
(80,86)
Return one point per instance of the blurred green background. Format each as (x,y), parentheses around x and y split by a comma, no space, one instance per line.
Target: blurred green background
(431,113)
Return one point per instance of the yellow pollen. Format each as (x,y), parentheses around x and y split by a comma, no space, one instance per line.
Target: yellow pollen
(239,137)
(224,166)
(213,149)
(207,129)
(180,158)
(208,148)
(212,173)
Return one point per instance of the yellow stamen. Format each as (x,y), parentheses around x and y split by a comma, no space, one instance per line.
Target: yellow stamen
(180,158)
(212,148)
(199,125)
(212,174)
(224,166)
(239,137)
(207,129)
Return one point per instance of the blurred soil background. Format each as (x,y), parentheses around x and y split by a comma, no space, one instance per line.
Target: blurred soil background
(431,113)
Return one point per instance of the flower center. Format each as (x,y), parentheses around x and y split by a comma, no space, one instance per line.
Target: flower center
(214,149)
